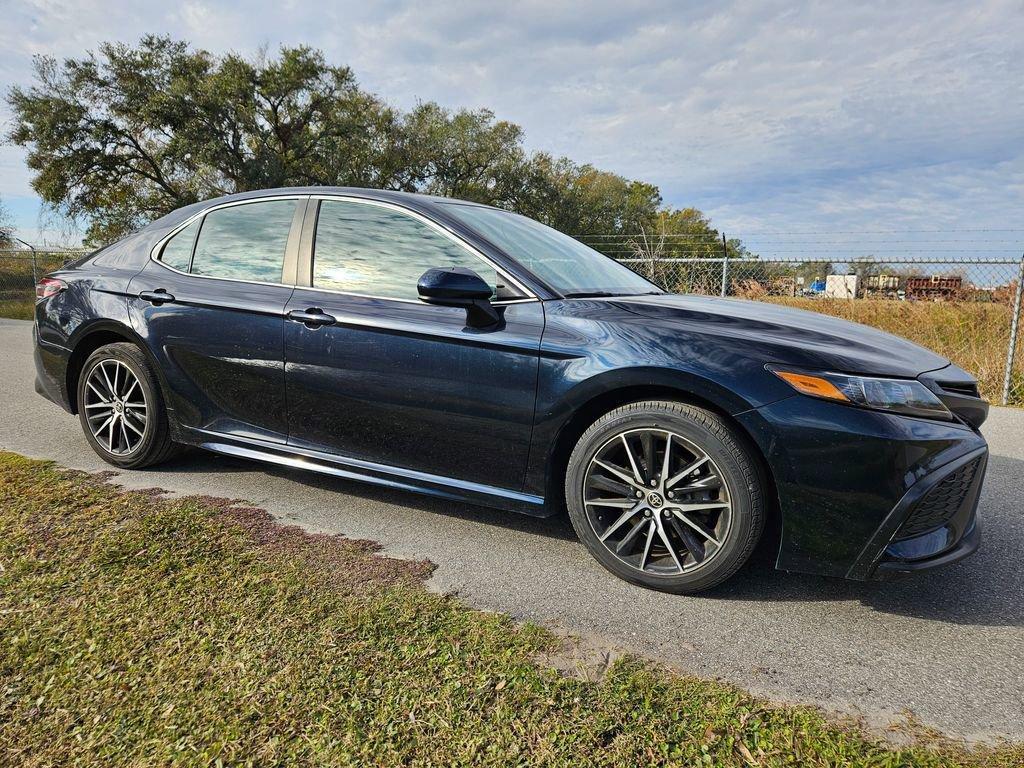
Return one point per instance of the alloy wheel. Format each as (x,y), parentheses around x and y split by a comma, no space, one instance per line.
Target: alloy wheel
(115,407)
(657,502)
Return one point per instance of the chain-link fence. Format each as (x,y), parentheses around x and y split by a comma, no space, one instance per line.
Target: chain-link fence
(967,310)
(20,270)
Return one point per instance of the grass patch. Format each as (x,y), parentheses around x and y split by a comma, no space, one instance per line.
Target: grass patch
(17,282)
(136,630)
(18,309)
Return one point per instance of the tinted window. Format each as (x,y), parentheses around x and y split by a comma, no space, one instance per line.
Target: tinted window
(566,264)
(376,251)
(245,242)
(178,251)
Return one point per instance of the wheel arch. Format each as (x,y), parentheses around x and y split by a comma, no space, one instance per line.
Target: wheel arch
(88,340)
(703,394)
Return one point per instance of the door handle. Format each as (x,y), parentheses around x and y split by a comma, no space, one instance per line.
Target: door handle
(312,317)
(158,297)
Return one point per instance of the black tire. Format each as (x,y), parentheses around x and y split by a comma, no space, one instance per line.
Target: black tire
(155,444)
(732,463)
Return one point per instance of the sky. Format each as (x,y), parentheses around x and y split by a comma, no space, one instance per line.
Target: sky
(856,120)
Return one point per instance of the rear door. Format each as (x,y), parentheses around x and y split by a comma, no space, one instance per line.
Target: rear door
(392,380)
(211,306)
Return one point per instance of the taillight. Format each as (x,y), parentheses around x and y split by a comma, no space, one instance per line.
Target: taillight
(49,286)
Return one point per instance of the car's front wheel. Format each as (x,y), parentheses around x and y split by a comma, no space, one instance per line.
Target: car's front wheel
(121,409)
(666,495)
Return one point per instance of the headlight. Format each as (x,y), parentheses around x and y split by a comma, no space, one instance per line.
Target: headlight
(906,396)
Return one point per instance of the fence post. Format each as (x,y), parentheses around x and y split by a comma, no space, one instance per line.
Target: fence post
(1011,349)
(35,277)
(725,266)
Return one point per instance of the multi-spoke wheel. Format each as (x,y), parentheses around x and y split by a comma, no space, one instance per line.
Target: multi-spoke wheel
(657,501)
(665,495)
(120,407)
(115,406)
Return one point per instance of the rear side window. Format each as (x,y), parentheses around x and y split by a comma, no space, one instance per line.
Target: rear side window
(376,251)
(177,252)
(244,242)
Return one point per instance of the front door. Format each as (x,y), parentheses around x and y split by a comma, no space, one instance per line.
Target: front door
(392,380)
(211,308)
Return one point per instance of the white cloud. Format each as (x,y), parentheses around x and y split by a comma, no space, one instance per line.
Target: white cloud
(768,114)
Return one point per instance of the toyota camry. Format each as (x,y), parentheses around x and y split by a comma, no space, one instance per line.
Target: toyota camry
(454,349)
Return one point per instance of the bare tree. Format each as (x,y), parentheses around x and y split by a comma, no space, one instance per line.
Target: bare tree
(5,227)
(649,247)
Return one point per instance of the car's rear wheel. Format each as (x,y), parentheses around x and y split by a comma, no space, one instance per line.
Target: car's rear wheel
(121,409)
(665,495)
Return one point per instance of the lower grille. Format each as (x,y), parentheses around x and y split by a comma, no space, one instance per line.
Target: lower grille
(940,503)
(966,389)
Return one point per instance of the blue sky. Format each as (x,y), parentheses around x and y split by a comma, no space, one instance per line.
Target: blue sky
(771,117)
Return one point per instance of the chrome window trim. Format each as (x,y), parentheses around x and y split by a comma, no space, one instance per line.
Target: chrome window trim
(529,295)
(418,302)
(308,232)
(291,248)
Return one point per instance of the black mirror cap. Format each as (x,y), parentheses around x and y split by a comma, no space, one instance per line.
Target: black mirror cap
(453,286)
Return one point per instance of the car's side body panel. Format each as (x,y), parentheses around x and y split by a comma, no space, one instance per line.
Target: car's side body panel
(220,341)
(96,300)
(594,346)
(376,473)
(220,347)
(409,384)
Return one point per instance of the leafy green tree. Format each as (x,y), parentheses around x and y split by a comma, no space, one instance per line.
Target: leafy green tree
(133,133)
(585,201)
(130,133)
(465,154)
(690,235)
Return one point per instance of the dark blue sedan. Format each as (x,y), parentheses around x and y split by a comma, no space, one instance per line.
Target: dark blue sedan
(463,351)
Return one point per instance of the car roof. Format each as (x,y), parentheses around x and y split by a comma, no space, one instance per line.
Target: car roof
(374,194)
(412,200)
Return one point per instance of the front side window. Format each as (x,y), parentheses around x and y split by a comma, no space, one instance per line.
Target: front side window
(244,242)
(372,250)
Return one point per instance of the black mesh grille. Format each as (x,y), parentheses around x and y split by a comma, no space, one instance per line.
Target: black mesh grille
(940,503)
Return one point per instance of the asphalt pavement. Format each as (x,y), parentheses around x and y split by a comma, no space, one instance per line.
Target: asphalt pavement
(947,645)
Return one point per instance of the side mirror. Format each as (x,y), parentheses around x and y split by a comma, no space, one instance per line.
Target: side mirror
(459,287)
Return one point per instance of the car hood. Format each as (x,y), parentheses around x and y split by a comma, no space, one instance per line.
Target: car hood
(788,335)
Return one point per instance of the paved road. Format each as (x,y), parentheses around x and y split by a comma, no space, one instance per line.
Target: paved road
(947,645)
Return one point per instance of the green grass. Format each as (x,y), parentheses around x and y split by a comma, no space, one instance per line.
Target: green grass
(17,283)
(136,630)
(17,309)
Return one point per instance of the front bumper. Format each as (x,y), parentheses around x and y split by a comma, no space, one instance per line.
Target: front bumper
(867,495)
(966,546)
(934,524)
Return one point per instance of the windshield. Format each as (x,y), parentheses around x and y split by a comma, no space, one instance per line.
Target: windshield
(565,264)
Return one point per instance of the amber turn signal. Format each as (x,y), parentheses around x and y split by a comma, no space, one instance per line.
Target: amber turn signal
(812,385)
